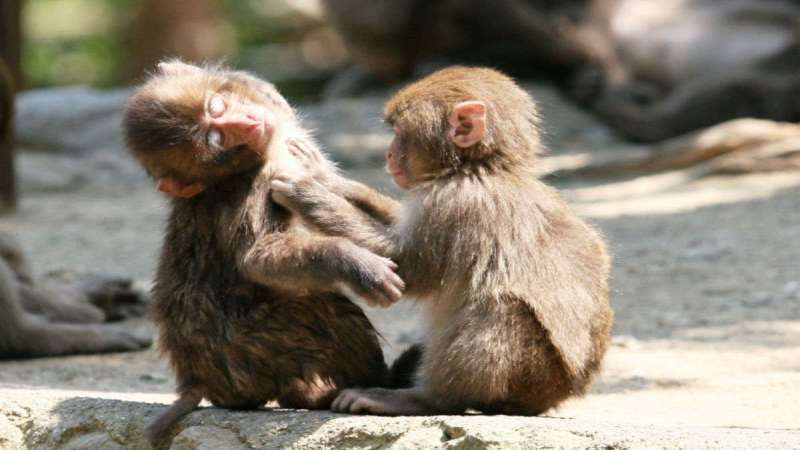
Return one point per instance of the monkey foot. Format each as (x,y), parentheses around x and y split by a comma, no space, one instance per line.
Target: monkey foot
(115,296)
(380,401)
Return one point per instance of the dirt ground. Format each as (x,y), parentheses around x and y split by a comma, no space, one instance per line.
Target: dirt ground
(706,291)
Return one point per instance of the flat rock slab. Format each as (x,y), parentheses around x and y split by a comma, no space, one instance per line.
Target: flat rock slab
(88,420)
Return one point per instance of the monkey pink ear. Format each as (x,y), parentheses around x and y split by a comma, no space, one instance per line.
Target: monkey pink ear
(467,123)
(177,67)
(177,188)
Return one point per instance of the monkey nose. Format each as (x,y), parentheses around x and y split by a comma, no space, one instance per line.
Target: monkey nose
(246,126)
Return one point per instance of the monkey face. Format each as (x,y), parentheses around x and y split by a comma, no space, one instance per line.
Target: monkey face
(233,123)
(405,162)
(420,153)
(193,126)
(460,121)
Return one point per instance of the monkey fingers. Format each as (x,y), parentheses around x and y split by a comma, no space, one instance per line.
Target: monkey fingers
(307,157)
(373,280)
(368,277)
(379,401)
(281,190)
(295,191)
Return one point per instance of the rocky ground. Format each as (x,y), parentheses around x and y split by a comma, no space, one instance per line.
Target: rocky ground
(706,289)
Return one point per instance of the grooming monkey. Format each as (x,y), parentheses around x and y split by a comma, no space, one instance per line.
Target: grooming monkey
(514,284)
(248,305)
(52,316)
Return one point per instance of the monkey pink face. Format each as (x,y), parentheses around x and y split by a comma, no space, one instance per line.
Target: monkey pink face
(398,160)
(409,166)
(406,161)
(234,122)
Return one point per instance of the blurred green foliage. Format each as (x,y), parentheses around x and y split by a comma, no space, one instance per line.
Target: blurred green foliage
(74,41)
(88,42)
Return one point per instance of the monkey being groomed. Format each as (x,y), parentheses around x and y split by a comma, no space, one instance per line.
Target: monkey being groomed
(514,284)
(250,307)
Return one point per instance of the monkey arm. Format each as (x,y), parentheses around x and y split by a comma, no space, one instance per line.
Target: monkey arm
(284,260)
(382,208)
(341,214)
(293,260)
(379,207)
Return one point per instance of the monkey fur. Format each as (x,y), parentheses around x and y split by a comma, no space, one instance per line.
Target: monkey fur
(52,317)
(514,285)
(247,305)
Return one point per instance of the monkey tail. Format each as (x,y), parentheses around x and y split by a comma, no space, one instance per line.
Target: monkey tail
(159,428)
(404,368)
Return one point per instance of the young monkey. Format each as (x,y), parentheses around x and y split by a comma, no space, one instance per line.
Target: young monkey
(514,284)
(245,302)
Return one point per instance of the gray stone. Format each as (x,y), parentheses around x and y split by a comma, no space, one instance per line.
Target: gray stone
(206,438)
(68,420)
(74,119)
(11,437)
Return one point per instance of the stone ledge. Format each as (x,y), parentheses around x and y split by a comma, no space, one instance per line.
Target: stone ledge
(88,420)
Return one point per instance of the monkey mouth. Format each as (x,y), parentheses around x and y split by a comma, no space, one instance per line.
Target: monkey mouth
(392,172)
(399,177)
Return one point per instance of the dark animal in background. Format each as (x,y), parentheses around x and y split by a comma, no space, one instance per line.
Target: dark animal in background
(514,285)
(249,305)
(651,70)
(6,100)
(56,316)
(391,38)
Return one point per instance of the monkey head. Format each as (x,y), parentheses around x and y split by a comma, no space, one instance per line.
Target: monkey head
(191,126)
(460,120)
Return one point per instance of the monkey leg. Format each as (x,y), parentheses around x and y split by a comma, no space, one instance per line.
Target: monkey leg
(13,256)
(57,306)
(45,338)
(308,394)
(25,334)
(116,297)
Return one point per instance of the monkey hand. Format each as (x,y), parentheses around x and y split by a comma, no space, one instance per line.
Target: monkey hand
(368,277)
(298,192)
(380,401)
(282,190)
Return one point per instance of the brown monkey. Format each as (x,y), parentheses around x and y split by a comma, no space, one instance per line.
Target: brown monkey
(391,37)
(696,63)
(249,307)
(514,284)
(651,70)
(51,317)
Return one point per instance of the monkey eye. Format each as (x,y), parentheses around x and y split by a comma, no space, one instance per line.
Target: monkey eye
(214,138)
(216,106)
